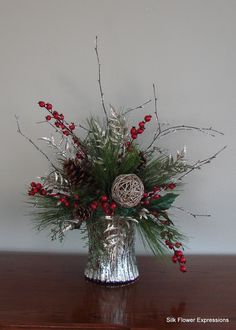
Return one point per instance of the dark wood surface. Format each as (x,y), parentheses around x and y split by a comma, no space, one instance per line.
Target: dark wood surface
(46,291)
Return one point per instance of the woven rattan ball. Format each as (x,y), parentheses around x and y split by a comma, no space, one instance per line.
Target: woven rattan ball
(127,190)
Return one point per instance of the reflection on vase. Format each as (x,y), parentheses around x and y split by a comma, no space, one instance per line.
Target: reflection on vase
(113,305)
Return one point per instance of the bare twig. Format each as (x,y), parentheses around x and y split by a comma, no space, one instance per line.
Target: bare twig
(32,142)
(137,107)
(194,215)
(99,80)
(210,131)
(155,111)
(200,163)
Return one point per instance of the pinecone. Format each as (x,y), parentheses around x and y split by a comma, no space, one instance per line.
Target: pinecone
(81,214)
(75,172)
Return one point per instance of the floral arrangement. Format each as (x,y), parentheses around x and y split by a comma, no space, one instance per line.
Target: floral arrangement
(107,173)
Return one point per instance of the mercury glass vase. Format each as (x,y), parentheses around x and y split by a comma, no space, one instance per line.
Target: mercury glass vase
(111,255)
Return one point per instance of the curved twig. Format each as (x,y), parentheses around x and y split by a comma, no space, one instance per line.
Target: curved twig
(99,80)
(200,163)
(34,144)
(173,129)
(137,107)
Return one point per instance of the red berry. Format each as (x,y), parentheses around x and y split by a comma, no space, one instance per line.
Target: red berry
(183,268)
(80,155)
(93,206)
(76,204)
(41,104)
(62,200)
(172,185)
(178,253)
(133,130)
(167,242)
(107,211)
(147,118)
(48,117)
(156,196)
(141,124)
(76,197)
(31,193)
(146,202)
(134,136)
(113,205)
(62,116)
(63,126)
(72,126)
(171,246)
(66,133)
(35,190)
(48,106)
(183,260)
(38,186)
(174,259)
(33,184)
(178,244)
(105,206)
(104,198)
(56,115)
(57,124)
(43,192)
(140,131)
(155,189)
(145,195)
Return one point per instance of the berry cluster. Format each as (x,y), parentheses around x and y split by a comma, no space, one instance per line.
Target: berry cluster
(141,127)
(59,121)
(68,201)
(108,208)
(178,255)
(37,188)
(154,193)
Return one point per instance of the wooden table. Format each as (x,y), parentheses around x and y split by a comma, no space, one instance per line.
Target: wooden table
(49,291)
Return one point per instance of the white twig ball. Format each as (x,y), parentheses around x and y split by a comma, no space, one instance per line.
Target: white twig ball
(127,190)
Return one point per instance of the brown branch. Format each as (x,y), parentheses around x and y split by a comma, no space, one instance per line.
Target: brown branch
(200,163)
(99,80)
(32,142)
(194,215)
(176,128)
(155,111)
(138,106)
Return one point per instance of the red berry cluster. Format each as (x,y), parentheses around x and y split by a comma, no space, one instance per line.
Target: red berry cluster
(141,127)
(64,200)
(107,207)
(151,195)
(68,201)
(37,188)
(178,255)
(171,186)
(59,122)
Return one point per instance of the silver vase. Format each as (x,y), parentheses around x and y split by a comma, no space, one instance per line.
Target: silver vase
(111,257)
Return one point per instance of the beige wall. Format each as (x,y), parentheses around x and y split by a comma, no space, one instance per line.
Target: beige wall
(187,47)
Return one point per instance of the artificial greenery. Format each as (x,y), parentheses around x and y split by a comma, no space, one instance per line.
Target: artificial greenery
(77,192)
